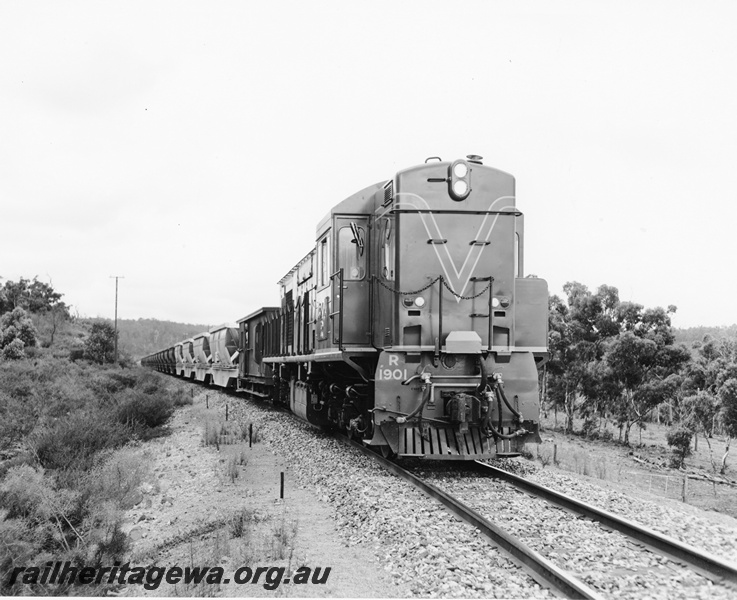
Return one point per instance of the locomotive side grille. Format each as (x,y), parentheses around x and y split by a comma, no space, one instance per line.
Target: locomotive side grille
(388,192)
(290,318)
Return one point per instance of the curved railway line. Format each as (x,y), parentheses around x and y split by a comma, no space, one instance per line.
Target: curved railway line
(543,570)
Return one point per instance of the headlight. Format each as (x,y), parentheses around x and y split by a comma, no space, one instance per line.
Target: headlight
(459,180)
(419,302)
(495,302)
(460,170)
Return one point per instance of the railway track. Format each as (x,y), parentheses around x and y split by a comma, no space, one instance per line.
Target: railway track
(704,563)
(544,571)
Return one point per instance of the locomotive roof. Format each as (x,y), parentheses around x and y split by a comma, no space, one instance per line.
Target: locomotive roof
(360,203)
(297,266)
(256,313)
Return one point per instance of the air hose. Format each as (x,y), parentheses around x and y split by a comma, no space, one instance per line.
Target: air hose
(421,406)
(501,397)
(515,412)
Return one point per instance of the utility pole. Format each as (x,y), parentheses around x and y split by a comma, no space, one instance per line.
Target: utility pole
(116,277)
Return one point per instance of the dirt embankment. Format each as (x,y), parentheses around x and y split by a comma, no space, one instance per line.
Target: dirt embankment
(219,505)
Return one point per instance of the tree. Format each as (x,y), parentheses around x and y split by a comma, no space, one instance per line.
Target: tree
(561,383)
(37,298)
(680,440)
(14,294)
(728,398)
(33,295)
(700,411)
(712,378)
(644,365)
(16,332)
(578,330)
(610,357)
(100,344)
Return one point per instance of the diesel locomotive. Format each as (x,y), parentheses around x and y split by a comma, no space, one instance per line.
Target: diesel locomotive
(410,324)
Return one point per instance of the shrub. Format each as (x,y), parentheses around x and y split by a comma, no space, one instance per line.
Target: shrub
(680,440)
(16,421)
(606,435)
(21,544)
(109,382)
(71,442)
(181,398)
(14,350)
(544,457)
(137,408)
(149,382)
(100,344)
(116,479)
(21,492)
(211,433)
(17,325)
(590,428)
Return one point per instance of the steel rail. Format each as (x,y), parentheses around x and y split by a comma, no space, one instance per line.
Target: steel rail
(704,563)
(537,566)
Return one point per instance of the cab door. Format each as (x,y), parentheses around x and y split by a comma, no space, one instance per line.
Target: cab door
(351,295)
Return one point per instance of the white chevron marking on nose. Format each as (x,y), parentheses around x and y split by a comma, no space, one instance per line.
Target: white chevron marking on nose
(462,275)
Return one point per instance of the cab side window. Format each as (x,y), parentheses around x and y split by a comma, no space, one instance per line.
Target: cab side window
(323,261)
(351,258)
(387,249)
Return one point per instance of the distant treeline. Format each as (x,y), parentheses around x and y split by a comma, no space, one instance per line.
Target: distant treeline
(141,337)
(689,335)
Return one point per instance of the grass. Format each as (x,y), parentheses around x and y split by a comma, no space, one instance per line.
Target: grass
(604,459)
(248,538)
(284,532)
(216,432)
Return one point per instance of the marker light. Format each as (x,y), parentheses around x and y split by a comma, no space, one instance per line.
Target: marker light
(419,302)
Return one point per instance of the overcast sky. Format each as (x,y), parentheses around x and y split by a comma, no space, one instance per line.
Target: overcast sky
(192,147)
